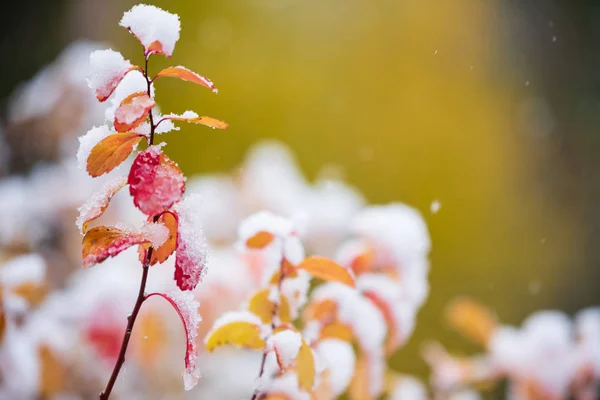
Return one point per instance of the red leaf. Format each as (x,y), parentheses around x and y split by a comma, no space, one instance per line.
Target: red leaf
(187,307)
(102,242)
(186,75)
(110,152)
(133,111)
(190,262)
(155,182)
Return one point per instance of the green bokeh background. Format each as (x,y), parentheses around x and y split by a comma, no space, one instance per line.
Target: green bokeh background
(409,101)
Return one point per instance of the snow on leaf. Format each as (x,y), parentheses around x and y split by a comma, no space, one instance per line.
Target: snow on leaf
(193,118)
(327,270)
(155,182)
(242,329)
(286,345)
(108,67)
(260,240)
(191,254)
(97,203)
(186,75)
(305,367)
(110,152)
(102,242)
(87,143)
(186,306)
(132,111)
(263,307)
(339,360)
(472,319)
(160,254)
(156,29)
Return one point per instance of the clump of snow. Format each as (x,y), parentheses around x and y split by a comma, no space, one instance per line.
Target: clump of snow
(108,67)
(152,26)
(265,221)
(87,143)
(165,126)
(397,232)
(295,289)
(293,250)
(286,345)
(98,201)
(365,319)
(285,386)
(339,359)
(408,387)
(155,233)
(191,258)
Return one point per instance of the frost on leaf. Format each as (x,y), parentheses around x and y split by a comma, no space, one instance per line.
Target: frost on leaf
(155,182)
(327,270)
(191,258)
(193,118)
(239,328)
(160,254)
(156,29)
(108,67)
(186,306)
(186,75)
(110,152)
(87,143)
(263,307)
(102,242)
(132,111)
(97,203)
(286,345)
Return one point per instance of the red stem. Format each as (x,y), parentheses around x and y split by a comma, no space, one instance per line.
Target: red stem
(140,299)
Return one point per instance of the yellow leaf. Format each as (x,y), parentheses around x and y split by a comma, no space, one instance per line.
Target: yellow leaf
(260,305)
(337,330)
(261,240)
(305,367)
(33,293)
(472,319)
(327,270)
(239,333)
(110,152)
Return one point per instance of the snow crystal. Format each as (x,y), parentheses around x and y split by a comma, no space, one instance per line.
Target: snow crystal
(191,259)
(98,201)
(339,359)
(365,319)
(435,206)
(108,67)
(152,25)
(87,143)
(265,221)
(286,345)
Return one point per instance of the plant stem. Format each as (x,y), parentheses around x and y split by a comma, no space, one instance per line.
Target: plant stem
(273,315)
(141,294)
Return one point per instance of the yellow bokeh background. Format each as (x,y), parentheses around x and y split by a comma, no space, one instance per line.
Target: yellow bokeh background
(410,101)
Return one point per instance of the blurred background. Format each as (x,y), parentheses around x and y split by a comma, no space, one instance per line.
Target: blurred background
(490,109)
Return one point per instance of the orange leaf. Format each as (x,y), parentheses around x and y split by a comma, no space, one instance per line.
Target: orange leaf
(337,330)
(323,311)
(238,333)
(2,319)
(305,367)
(102,242)
(263,307)
(194,119)
(186,75)
(33,293)
(110,152)
(327,270)
(160,254)
(359,386)
(95,206)
(52,374)
(133,111)
(472,319)
(260,240)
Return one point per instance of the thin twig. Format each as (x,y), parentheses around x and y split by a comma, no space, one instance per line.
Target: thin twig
(141,294)
(273,315)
